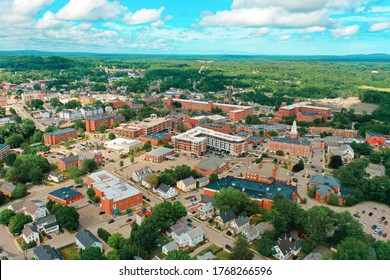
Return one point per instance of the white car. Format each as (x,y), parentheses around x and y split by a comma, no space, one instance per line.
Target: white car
(364,224)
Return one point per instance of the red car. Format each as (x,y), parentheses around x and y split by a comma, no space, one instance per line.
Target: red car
(129,220)
(384,235)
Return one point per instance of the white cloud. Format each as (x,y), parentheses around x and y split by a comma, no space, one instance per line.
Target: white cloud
(284,38)
(379,26)
(312,29)
(29,7)
(157,23)
(345,32)
(48,20)
(291,5)
(20,12)
(260,31)
(263,17)
(91,10)
(143,16)
(305,38)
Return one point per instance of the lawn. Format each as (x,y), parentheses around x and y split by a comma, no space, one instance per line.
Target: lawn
(223,255)
(212,248)
(69,253)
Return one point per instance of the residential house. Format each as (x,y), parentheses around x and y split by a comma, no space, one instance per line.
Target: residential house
(7,188)
(206,211)
(85,238)
(55,177)
(171,246)
(203,181)
(190,238)
(166,191)
(140,174)
(375,170)
(186,185)
(344,151)
(47,224)
(34,208)
(46,253)
(178,228)
(318,253)
(286,247)
(225,218)
(239,224)
(139,217)
(207,256)
(253,232)
(30,234)
(147,183)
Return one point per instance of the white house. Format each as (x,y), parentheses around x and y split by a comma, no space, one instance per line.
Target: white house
(203,181)
(55,177)
(253,232)
(47,224)
(190,238)
(34,208)
(171,246)
(344,151)
(166,191)
(286,247)
(85,238)
(239,224)
(206,211)
(187,185)
(70,115)
(90,111)
(30,234)
(140,174)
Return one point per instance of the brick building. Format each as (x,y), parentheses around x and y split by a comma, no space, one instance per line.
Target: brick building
(197,140)
(58,136)
(219,127)
(156,138)
(326,185)
(92,124)
(159,155)
(212,165)
(290,146)
(115,194)
(267,172)
(375,139)
(345,133)
(65,196)
(303,111)
(77,160)
(147,126)
(235,112)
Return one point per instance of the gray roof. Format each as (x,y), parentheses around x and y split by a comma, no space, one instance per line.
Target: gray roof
(227,215)
(172,246)
(46,220)
(203,179)
(206,256)
(318,253)
(7,187)
(240,221)
(46,252)
(211,164)
(195,232)
(285,245)
(70,159)
(53,173)
(29,229)
(180,227)
(159,152)
(207,199)
(189,181)
(325,180)
(164,188)
(86,238)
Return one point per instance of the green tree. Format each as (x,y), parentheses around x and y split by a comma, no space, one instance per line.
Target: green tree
(89,165)
(333,199)
(19,191)
(14,141)
(68,218)
(37,137)
(10,158)
(335,162)
(267,243)
(111,136)
(272,133)
(103,234)
(102,128)
(299,166)
(116,241)
(241,250)
(2,199)
(78,181)
(320,222)
(351,249)
(6,215)
(178,210)
(92,253)
(55,102)
(132,159)
(121,163)
(375,158)
(213,178)
(347,226)
(230,198)
(279,153)
(311,192)
(177,255)
(166,178)
(90,192)
(112,255)
(382,249)
(147,146)
(17,222)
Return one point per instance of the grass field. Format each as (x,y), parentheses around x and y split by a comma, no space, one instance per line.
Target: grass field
(375,88)
(69,253)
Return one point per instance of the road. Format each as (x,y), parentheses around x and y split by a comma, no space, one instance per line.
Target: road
(25,115)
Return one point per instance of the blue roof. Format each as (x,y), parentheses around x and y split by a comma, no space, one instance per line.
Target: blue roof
(61,131)
(98,118)
(135,102)
(256,138)
(65,193)
(374,134)
(291,141)
(2,146)
(255,190)
(156,136)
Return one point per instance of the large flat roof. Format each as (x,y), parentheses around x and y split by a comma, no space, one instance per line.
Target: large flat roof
(306,105)
(61,131)
(65,193)
(255,190)
(199,134)
(113,188)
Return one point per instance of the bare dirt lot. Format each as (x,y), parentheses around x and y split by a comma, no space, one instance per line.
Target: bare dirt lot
(348,103)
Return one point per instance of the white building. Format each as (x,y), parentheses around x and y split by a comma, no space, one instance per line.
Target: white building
(70,115)
(140,174)
(171,246)
(85,238)
(187,185)
(375,170)
(55,177)
(166,191)
(122,145)
(34,208)
(253,232)
(30,234)
(190,238)
(90,111)
(286,247)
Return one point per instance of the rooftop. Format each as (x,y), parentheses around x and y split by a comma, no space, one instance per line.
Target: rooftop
(61,131)
(86,238)
(200,134)
(156,136)
(159,152)
(46,252)
(255,190)
(291,141)
(112,187)
(65,193)
(212,164)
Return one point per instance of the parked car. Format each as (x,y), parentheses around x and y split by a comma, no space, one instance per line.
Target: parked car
(383,218)
(102,212)
(227,246)
(111,221)
(129,220)
(148,199)
(370,214)
(373,227)
(380,233)
(385,223)
(90,201)
(189,220)
(364,224)
(144,197)
(49,237)
(384,235)
(363,212)
(210,221)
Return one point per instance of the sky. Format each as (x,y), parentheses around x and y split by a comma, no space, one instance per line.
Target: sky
(259,27)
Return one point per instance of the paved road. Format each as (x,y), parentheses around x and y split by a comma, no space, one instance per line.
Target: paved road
(7,244)
(25,115)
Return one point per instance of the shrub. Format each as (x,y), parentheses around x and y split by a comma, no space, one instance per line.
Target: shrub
(103,234)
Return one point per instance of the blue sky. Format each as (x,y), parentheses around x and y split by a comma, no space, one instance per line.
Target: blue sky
(307,27)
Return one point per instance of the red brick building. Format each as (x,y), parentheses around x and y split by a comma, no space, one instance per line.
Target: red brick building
(92,124)
(156,139)
(303,111)
(64,163)
(219,127)
(159,155)
(212,165)
(375,139)
(115,195)
(290,146)
(58,136)
(346,133)
(65,196)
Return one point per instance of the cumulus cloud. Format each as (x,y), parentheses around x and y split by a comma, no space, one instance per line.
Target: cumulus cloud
(379,26)
(21,11)
(345,32)
(283,38)
(260,31)
(297,6)
(312,29)
(48,20)
(143,16)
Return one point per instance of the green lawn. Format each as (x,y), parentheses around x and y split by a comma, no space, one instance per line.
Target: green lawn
(212,248)
(69,253)
(223,255)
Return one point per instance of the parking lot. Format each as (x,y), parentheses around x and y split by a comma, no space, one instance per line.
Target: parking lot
(89,216)
(378,211)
